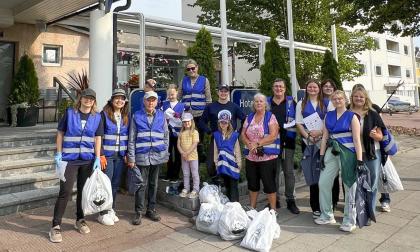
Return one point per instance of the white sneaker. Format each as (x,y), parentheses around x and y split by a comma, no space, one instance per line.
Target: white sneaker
(385,207)
(322,221)
(106,219)
(113,216)
(347,227)
(184,193)
(193,195)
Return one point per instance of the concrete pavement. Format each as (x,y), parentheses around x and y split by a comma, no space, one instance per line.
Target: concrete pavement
(394,231)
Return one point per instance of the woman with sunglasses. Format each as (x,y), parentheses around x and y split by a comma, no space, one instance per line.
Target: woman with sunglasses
(195,94)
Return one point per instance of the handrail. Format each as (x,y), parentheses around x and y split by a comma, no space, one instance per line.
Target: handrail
(61,87)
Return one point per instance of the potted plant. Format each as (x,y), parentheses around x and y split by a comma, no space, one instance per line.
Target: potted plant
(77,82)
(24,95)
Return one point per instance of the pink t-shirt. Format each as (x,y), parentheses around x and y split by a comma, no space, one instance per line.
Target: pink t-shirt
(255,132)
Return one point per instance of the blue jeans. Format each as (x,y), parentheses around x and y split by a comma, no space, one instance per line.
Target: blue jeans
(374,166)
(114,170)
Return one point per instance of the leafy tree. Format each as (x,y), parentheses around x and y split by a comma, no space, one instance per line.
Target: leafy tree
(25,83)
(274,67)
(312,24)
(203,52)
(395,16)
(329,69)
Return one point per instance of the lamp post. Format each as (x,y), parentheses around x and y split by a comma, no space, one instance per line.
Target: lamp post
(291,49)
(225,67)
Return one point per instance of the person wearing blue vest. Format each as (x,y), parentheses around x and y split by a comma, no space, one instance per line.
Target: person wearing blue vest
(210,116)
(312,102)
(283,107)
(114,147)
(227,154)
(79,135)
(260,135)
(341,150)
(173,111)
(148,149)
(195,94)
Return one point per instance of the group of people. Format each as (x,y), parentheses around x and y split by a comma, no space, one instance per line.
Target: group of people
(172,132)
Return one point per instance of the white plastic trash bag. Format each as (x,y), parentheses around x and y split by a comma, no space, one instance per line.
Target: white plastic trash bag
(389,181)
(209,194)
(233,222)
(60,170)
(97,193)
(208,217)
(223,198)
(261,232)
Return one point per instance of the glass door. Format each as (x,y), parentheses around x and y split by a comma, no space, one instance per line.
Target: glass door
(7,61)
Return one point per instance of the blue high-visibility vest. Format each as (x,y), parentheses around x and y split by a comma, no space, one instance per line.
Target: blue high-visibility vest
(226,162)
(340,129)
(270,149)
(179,108)
(78,142)
(309,109)
(290,116)
(111,135)
(150,138)
(388,144)
(194,97)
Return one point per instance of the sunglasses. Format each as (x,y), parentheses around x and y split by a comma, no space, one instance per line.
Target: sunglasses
(190,69)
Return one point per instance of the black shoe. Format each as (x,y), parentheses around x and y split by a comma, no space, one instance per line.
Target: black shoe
(291,205)
(153,215)
(137,219)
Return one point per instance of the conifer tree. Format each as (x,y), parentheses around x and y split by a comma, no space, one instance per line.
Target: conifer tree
(329,69)
(274,67)
(25,83)
(203,53)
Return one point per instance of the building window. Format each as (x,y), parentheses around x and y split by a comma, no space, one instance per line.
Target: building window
(52,55)
(407,73)
(392,46)
(406,50)
(378,70)
(377,44)
(362,69)
(394,71)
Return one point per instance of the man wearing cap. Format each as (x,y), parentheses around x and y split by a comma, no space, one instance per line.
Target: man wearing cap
(195,94)
(210,114)
(148,149)
(283,107)
(150,85)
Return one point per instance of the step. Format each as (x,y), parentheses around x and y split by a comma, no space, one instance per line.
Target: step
(17,202)
(27,140)
(21,153)
(26,166)
(27,182)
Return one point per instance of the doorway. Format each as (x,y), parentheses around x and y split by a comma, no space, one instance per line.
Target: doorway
(7,63)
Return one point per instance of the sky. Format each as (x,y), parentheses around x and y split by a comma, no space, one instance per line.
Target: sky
(417,41)
(170,9)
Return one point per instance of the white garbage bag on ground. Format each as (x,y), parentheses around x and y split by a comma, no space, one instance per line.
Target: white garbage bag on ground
(208,217)
(209,194)
(97,193)
(261,232)
(389,181)
(233,222)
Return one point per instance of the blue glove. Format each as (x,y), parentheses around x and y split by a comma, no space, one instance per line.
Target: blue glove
(97,163)
(58,157)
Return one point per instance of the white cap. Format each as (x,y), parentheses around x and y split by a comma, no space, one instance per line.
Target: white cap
(150,94)
(187,117)
(224,115)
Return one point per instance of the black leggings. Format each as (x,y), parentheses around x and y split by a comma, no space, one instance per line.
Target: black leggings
(174,163)
(73,171)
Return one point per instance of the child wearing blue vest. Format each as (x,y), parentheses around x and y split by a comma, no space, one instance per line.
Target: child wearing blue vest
(114,147)
(79,144)
(187,145)
(173,110)
(227,154)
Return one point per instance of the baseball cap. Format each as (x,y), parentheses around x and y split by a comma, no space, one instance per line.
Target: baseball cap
(118,92)
(186,117)
(150,94)
(224,115)
(223,86)
(88,92)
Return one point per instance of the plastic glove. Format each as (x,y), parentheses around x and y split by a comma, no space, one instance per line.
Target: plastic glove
(360,166)
(104,163)
(97,163)
(322,163)
(58,157)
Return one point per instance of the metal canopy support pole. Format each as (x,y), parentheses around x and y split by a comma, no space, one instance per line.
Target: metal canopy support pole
(291,49)
(261,51)
(142,77)
(334,42)
(225,66)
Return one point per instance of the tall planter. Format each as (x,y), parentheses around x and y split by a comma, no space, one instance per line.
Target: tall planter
(27,116)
